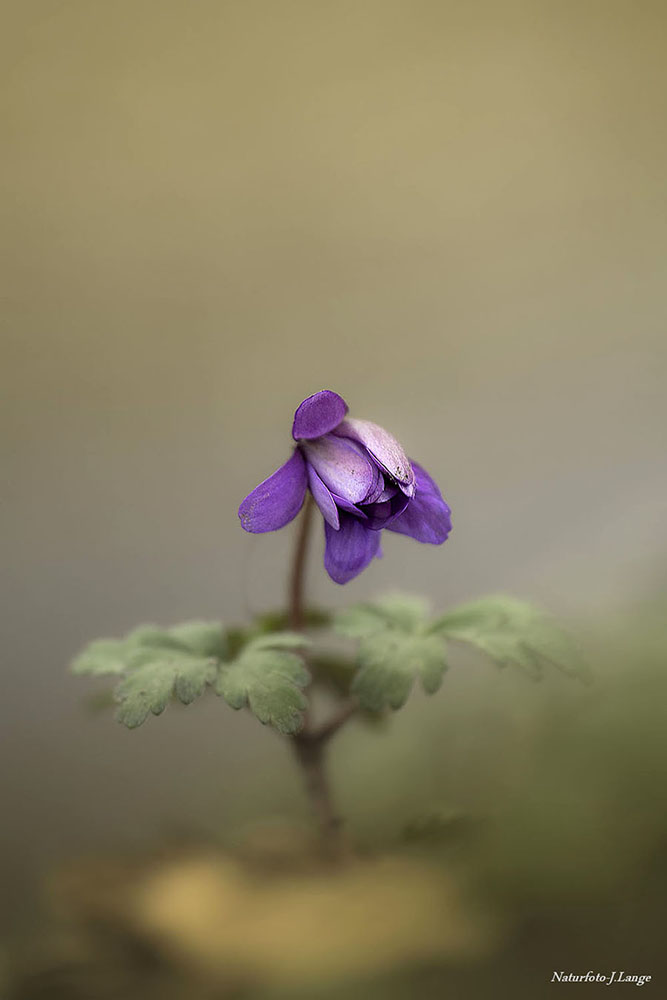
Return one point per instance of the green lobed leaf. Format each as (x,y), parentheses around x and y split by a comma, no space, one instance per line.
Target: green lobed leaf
(156,665)
(511,631)
(395,649)
(267,677)
(280,640)
(117,656)
(156,677)
(401,611)
(389,662)
(397,643)
(406,611)
(152,637)
(103,656)
(360,621)
(203,638)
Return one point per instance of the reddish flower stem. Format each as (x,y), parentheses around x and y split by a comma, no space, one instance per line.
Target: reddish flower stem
(295,612)
(310,743)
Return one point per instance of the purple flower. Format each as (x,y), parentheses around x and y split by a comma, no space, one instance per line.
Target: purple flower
(361,480)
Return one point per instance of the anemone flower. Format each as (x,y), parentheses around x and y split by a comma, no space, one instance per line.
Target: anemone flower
(361,480)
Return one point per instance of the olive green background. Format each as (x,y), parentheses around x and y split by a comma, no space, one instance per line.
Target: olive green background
(453,214)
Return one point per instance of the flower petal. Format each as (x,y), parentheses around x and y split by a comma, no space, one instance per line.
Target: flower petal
(378,487)
(344,504)
(424,482)
(318,414)
(277,500)
(346,472)
(427,516)
(349,550)
(382,445)
(387,493)
(384,512)
(323,498)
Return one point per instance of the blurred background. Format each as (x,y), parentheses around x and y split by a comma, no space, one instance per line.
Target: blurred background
(453,214)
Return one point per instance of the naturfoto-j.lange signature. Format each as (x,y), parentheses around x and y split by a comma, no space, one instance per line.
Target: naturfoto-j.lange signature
(632,979)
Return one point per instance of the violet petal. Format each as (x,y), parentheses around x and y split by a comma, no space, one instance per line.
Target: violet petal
(383,513)
(424,482)
(323,498)
(387,493)
(377,486)
(377,489)
(382,445)
(278,499)
(349,550)
(427,518)
(318,414)
(344,504)
(341,467)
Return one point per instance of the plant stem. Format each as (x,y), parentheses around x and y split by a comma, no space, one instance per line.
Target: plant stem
(310,753)
(310,743)
(310,747)
(295,612)
(345,711)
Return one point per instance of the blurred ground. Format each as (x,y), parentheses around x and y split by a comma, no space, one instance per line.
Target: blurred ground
(454,215)
(545,850)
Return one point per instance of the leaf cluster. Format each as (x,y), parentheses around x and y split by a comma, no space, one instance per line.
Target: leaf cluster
(399,643)
(154,666)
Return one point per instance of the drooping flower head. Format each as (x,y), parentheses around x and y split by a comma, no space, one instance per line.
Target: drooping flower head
(361,480)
